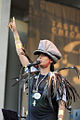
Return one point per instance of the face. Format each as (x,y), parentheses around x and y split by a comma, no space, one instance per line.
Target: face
(44,60)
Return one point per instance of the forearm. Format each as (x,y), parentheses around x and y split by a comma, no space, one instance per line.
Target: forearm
(61,110)
(17,40)
(19,48)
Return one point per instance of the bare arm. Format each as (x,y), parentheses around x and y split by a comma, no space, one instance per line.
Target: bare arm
(19,47)
(61,110)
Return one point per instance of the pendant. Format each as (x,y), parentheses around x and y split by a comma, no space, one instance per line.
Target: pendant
(36,96)
(34,103)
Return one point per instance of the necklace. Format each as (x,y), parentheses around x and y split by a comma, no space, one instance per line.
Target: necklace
(36,94)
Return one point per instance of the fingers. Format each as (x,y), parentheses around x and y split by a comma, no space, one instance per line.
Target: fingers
(13,20)
(12,25)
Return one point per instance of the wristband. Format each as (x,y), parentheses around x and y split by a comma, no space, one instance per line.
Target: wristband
(60,119)
(61,112)
(18,45)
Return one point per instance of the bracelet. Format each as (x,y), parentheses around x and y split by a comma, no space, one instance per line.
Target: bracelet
(17,38)
(61,112)
(18,45)
(60,119)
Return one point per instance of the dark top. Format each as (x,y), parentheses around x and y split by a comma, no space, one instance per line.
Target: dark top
(42,109)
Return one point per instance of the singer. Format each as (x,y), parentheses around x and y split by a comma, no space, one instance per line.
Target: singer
(50,91)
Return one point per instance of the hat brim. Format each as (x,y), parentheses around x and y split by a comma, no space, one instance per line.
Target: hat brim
(53,57)
(36,52)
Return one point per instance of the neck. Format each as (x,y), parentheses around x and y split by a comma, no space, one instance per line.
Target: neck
(44,71)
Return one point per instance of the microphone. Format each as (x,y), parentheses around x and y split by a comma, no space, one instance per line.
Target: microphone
(33,64)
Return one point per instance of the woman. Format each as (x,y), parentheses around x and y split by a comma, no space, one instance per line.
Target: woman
(48,87)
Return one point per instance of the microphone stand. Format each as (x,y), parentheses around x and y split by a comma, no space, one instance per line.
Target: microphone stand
(19,99)
(29,91)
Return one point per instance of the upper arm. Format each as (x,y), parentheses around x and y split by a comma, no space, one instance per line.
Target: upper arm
(22,56)
(24,60)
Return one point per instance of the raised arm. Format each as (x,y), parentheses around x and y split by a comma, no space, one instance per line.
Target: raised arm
(19,47)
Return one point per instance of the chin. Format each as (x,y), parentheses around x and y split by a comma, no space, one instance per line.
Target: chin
(41,64)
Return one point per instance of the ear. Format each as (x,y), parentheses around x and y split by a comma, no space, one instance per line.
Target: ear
(50,61)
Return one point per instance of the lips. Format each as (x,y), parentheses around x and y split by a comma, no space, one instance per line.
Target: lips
(40,61)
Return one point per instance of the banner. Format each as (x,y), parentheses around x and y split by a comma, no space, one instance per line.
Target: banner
(61,25)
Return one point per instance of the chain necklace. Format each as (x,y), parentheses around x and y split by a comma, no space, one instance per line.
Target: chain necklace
(37,84)
(41,81)
(36,94)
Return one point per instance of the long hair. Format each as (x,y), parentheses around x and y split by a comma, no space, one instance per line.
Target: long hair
(52,67)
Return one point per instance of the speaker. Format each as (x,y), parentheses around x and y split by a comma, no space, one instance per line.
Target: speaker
(9,114)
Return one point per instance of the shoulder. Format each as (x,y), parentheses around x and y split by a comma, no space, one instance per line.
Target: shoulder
(56,74)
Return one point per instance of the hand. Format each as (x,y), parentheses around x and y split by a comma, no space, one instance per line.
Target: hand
(12,25)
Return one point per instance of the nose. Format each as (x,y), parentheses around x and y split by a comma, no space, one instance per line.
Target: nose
(40,56)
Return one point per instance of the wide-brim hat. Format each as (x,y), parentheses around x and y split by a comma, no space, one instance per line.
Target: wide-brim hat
(48,48)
